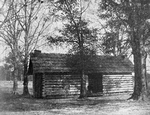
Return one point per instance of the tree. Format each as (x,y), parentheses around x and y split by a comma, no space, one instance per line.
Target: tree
(75,33)
(10,33)
(33,21)
(30,17)
(132,16)
(114,41)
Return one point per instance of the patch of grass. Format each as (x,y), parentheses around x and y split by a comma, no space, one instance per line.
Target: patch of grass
(10,102)
(19,103)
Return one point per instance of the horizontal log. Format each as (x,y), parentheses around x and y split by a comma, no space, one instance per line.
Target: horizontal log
(77,85)
(109,92)
(49,93)
(55,93)
(118,81)
(61,76)
(49,84)
(56,89)
(117,89)
(123,89)
(117,75)
(126,84)
(115,78)
(130,83)
(117,84)
(52,87)
(73,88)
(62,80)
(126,81)
(112,77)
(61,85)
(116,93)
(66,75)
(59,96)
(61,93)
(55,83)
(74,93)
(123,86)
(59,89)
(121,79)
(53,78)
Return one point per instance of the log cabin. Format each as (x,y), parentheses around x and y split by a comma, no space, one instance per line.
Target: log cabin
(52,78)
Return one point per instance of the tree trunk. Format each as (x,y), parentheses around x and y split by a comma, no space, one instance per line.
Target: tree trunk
(83,85)
(15,81)
(143,77)
(25,79)
(137,78)
(83,77)
(15,73)
(140,86)
(15,64)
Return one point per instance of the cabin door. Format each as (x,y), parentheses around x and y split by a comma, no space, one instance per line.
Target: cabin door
(38,85)
(95,83)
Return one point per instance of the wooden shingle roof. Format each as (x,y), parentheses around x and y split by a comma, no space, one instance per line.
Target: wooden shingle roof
(52,62)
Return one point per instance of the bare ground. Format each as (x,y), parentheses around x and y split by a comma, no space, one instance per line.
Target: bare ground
(104,105)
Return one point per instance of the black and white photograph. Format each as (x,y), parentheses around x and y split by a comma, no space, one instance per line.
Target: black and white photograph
(74,57)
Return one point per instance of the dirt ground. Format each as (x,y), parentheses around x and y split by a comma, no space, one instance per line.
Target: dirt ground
(104,105)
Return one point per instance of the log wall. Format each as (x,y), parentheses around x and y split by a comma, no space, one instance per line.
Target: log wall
(57,86)
(63,86)
(117,83)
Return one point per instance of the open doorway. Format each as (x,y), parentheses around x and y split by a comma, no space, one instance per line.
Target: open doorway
(95,83)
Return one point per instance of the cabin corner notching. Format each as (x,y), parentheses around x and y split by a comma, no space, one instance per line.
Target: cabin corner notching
(52,78)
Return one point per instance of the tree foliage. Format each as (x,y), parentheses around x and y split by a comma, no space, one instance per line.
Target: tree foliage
(75,33)
(9,66)
(131,18)
(114,44)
